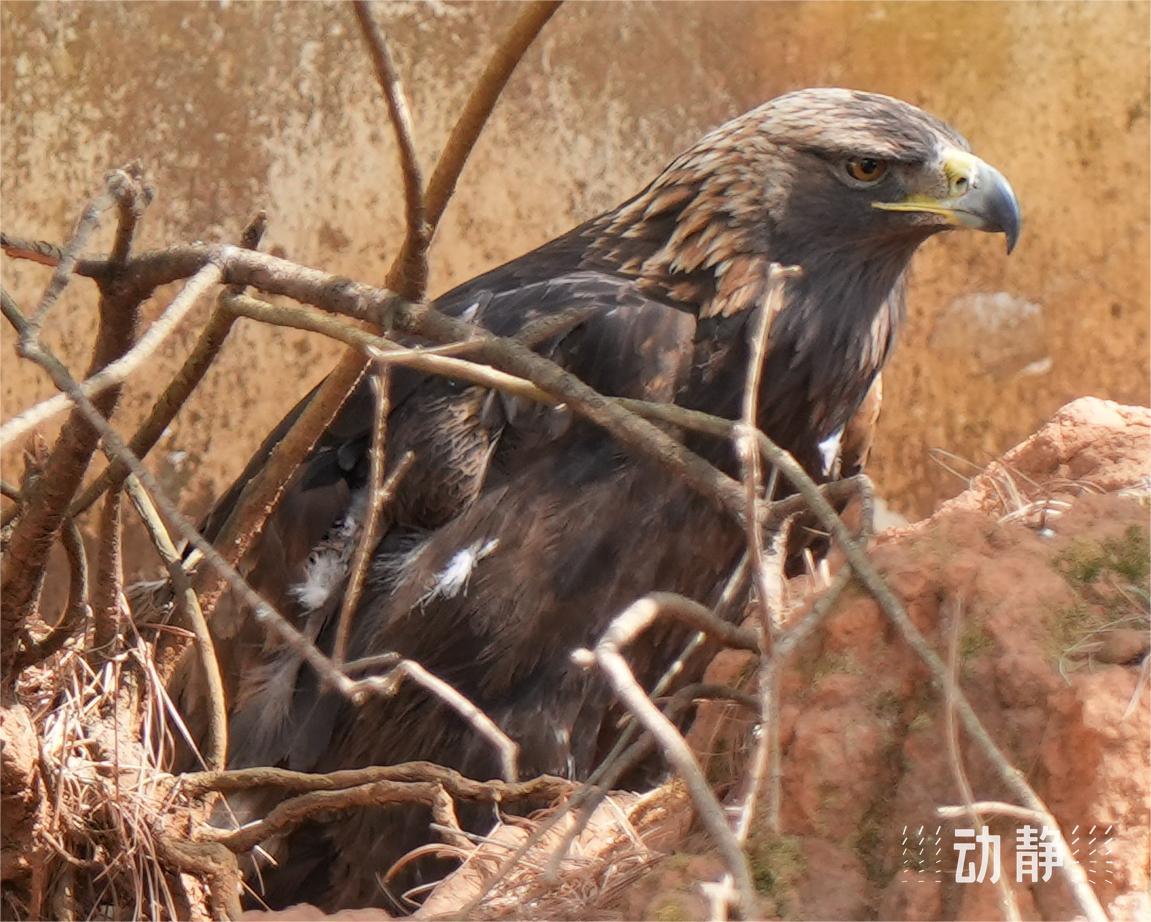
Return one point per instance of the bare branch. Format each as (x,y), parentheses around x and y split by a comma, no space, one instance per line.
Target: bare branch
(543,787)
(636,618)
(380,493)
(211,861)
(1007,902)
(385,350)
(216,745)
(77,611)
(180,388)
(409,273)
(108,590)
(290,813)
(263,493)
(765,583)
(479,721)
(88,221)
(46,505)
(480,104)
(117,372)
(766,757)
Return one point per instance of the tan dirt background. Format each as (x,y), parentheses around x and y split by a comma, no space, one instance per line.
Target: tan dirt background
(237,106)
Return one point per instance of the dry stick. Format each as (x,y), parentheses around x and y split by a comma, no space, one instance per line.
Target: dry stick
(771,305)
(385,309)
(623,630)
(613,414)
(88,221)
(210,861)
(108,588)
(381,494)
(767,755)
(118,371)
(262,610)
(767,583)
(995,808)
(409,272)
(408,276)
(594,793)
(288,814)
(479,106)
(76,612)
(180,388)
(550,787)
(383,349)
(216,746)
(46,507)
(479,721)
(890,604)
(955,755)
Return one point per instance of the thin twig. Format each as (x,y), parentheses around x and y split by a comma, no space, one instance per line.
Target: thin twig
(380,493)
(260,608)
(772,304)
(479,721)
(118,371)
(767,756)
(76,612)
(622,631)
(211,861)
(409,272)
(46,506)
(996,808)
(88,221)
(1007,902)
(216,745)
(501,65)
(542,787)
(613,414)
(288,814)
(108,588)
(383,349)
(179,389)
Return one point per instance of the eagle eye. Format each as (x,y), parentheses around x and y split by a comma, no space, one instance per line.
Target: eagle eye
(866,170)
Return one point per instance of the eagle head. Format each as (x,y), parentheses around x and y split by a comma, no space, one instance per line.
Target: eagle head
(842,183)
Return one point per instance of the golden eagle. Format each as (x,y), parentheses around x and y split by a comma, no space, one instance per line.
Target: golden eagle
(520,531)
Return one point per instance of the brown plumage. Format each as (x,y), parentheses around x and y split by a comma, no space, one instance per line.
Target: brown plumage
(520,530)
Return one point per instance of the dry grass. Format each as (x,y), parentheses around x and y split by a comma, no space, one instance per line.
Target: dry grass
(103,792)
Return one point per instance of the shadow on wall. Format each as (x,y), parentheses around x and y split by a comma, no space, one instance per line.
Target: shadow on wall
(286,115)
